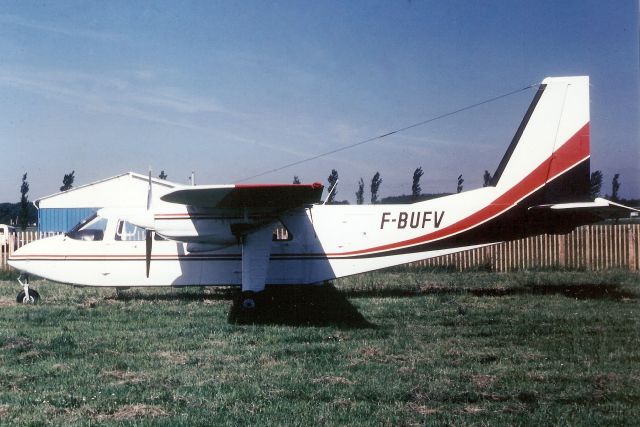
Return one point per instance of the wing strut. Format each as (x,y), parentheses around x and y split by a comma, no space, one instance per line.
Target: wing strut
(256,249)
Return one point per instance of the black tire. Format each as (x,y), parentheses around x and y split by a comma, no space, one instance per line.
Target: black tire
(248,301)
(34,297)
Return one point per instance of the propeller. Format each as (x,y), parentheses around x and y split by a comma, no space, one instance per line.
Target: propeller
(148,237)
(146,220)
(148,243)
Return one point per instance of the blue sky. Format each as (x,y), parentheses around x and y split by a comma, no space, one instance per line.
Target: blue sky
(233,89)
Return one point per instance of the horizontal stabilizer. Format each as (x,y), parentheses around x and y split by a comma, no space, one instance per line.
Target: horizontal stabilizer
(601,208)
(259,196)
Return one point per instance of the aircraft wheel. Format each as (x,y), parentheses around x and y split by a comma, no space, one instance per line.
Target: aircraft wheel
(34,297)
(248,301)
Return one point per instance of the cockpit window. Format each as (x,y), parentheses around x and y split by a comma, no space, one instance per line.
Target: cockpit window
(129,232)
(89,229)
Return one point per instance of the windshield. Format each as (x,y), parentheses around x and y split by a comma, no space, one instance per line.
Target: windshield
(90,229)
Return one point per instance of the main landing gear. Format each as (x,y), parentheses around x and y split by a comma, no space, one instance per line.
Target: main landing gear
(248,301)
(26,295)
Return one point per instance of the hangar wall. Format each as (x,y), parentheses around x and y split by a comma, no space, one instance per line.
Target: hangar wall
(61,219)
(62,211)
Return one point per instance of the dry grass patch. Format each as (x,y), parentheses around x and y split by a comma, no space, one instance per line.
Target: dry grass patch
(61,367)
(429,288)
(536,376)
(89,303)
(472,409)
(131,412)
(343,402)
(124,377)
(173,357)
(214,302)
(370,351)
(7,302)
(4,410)
(331,379)
(31,355)
(421,409)
(268,362)
(483,381)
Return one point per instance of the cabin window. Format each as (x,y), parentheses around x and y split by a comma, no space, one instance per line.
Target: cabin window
(89,229)
(129,232)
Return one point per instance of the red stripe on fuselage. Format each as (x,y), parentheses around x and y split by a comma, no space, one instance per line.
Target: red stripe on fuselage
(570,154)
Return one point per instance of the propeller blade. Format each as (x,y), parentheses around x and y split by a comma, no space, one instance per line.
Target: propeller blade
(148,243)
(149,192)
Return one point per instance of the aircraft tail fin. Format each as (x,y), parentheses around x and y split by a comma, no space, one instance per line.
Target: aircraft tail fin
(550,153)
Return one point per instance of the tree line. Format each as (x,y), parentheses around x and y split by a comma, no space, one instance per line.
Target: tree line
(24,213)
(596,182)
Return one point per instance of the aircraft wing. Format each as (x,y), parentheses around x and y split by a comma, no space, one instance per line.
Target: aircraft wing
(251,196)
(255,236)
(600,208)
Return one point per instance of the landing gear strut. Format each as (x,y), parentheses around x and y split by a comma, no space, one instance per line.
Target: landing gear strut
(26,295)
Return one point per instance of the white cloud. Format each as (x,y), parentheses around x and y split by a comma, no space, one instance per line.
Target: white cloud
(107,93)
(19,21)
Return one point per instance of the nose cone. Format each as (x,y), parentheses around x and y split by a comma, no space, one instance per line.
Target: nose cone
(19,259)
(30,257)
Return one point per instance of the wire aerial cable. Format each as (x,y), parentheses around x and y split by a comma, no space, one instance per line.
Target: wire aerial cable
(384,135)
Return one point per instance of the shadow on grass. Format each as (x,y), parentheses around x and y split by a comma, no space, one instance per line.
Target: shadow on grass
(576,291)
(280,305)
(301,306)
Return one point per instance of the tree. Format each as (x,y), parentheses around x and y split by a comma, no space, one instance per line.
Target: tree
(615,187)
(596,184)
(460,182)
(375,186)
(333,183)
(23,216)
(67,181)
(296,180)
(360,192)
(163,175)
(415,186)
(487,179)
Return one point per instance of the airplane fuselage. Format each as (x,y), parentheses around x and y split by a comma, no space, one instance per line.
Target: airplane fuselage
(322,242)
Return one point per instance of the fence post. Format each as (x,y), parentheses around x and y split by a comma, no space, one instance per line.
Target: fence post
(562,243)
(632,241)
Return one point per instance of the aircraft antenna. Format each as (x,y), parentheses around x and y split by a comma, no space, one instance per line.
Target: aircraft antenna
(384,135)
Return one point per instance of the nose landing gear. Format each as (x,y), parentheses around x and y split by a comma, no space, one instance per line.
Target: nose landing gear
(26,295)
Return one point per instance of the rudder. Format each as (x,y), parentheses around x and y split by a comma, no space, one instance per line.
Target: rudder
(551,146)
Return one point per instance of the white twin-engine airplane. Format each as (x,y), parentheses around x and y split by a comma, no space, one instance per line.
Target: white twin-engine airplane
(224,234)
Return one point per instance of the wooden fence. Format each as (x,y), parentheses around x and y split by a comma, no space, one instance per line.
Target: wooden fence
(593,247)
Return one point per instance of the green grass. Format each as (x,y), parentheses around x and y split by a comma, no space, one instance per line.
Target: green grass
(394,348)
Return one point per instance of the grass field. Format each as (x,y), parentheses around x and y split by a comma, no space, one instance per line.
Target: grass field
(400,347)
